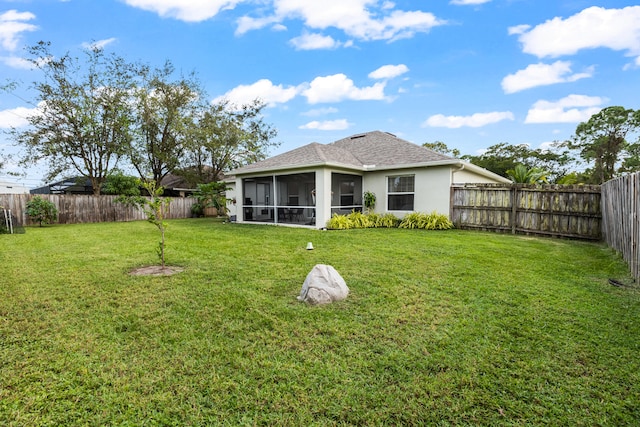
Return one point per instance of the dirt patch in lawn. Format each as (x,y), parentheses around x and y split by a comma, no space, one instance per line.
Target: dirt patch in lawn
(156,270)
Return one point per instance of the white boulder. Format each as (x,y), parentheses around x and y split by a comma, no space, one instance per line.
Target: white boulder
(323,285)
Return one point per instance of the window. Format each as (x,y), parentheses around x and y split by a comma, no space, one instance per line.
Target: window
(400,192)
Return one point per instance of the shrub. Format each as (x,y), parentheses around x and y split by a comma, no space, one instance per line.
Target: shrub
(359,220)
(339,222)
(197,210)
(212,195)
(414,220)
(387,220)
(432,221)
(369,200)
(42,211)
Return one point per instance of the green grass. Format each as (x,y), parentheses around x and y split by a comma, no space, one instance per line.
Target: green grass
(440,328)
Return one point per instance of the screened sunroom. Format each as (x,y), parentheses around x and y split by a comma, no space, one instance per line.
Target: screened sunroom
(292,198)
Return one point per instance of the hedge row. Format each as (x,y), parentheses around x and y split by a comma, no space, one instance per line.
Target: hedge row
(414,220)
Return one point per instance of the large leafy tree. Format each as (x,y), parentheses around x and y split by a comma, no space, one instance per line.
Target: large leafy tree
(165,112)
(226,136)
(500,158)
(602,143)
(442,148)
(82,124)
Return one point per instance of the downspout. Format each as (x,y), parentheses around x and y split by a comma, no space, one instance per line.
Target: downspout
(453,172)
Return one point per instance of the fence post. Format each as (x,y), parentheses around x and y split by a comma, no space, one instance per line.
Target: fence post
(514,207)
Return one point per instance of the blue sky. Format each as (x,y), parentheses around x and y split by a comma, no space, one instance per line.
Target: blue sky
(470,73)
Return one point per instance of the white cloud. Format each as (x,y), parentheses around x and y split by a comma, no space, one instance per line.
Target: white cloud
(98,44)
(361,19)
(320,112)
(16,62)
(518,29)
(594,27)
(474,121)
(340,124)
(12,24)
(570,109)
(469,2)
(335,88)
(541,75)
(309,41)
(389,71)
(16,117)
(189,11)
(246,24)
(339,87)
(263,89)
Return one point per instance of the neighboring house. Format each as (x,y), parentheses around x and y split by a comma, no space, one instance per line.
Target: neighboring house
(307,185)
(7,187)
(74,185)
(174,186)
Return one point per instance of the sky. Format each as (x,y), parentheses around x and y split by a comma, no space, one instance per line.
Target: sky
(469,73)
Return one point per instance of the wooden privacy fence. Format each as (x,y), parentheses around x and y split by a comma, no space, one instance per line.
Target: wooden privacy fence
(73,209)
(571,211)
(620,223)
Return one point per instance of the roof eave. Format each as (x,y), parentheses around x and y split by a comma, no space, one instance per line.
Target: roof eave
(447,162)
(372,168)
(240,172)
(484,172)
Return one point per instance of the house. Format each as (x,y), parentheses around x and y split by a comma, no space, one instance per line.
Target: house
(307,185)
(7,187)
(74,185)
(173,185)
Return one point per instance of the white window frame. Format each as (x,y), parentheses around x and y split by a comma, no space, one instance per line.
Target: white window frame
(401,193)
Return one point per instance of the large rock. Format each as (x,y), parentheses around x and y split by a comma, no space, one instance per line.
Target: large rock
(323,285)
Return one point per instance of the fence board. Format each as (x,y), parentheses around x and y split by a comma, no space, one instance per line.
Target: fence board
(74,209)
(621,227)
(547,210)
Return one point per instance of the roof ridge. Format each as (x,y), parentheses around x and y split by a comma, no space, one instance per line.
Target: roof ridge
(319,148)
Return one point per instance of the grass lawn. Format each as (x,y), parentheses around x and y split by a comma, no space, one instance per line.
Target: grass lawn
(440,328)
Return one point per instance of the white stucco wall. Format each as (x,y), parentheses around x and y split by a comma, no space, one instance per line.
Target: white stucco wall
(466,176)
(231,194)
(432,189)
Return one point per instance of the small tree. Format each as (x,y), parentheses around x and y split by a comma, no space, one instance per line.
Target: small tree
(154,208)
(42,211)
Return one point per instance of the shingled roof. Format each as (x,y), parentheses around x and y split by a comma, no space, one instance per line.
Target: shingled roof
(361,151)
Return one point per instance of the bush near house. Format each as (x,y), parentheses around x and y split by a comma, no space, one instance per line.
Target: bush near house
(414,220)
